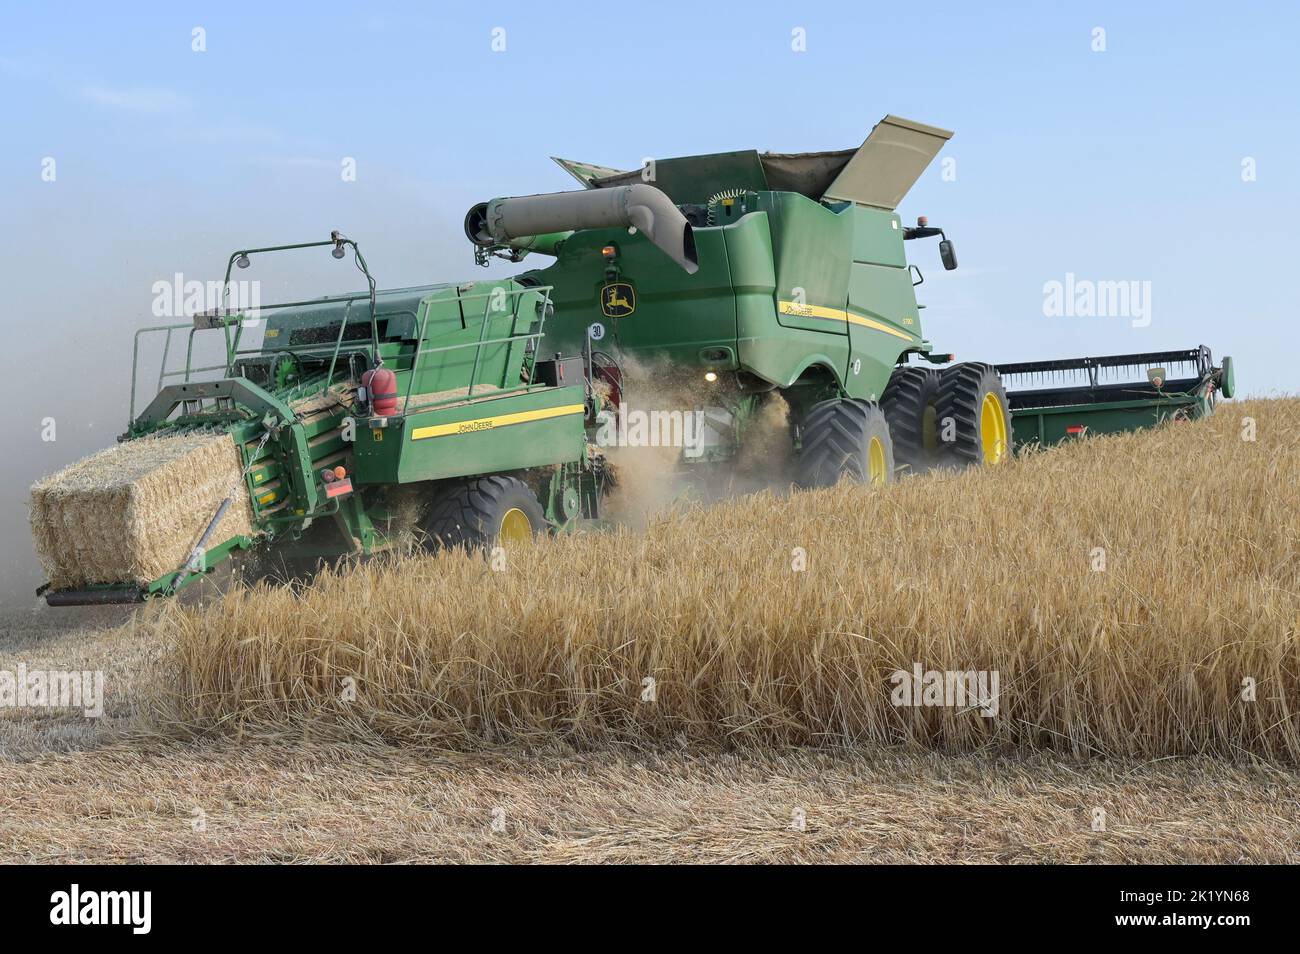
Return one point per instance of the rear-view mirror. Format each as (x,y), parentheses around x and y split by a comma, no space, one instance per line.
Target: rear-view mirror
(947,255)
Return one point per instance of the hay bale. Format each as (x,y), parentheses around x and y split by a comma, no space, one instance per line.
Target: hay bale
(135,511)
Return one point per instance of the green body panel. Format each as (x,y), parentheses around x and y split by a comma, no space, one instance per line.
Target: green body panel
(883,295)
(480,438)
(676,317)
(780,277)
(878,237)
(455,320)
(810,246)
(811,257)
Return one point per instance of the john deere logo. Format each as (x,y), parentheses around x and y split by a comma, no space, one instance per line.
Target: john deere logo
(617,300)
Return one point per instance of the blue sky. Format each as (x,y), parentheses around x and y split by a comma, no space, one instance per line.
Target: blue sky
(1117,165)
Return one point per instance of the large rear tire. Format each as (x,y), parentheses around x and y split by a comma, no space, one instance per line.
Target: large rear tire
(845,438)
(910,404)
(973,416)
(483,512)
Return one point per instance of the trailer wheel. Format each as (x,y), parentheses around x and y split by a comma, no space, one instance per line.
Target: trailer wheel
(479,513)
(845,438)
(910,403)
(973,416)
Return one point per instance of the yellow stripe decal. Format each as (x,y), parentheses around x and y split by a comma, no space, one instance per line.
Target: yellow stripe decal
(838,314)
(811,311)
(880,326)
(501,420)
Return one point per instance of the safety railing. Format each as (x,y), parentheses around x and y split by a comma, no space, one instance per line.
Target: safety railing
(493,295)
(223,323)
(187,373)
(315,385)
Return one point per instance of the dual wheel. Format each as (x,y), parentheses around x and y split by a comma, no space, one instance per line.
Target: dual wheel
(927,419)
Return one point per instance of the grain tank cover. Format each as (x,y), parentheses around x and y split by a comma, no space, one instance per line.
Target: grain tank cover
(888,164)
(878,173)
(586,172)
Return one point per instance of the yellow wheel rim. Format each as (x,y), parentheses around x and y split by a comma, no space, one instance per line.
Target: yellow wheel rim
(876,473)
(993,429)
(515,526)
(929,428)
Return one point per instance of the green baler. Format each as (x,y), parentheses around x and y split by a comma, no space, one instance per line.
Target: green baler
(756,276)
(474,403)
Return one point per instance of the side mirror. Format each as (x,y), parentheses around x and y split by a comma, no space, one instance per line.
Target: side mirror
(947,255)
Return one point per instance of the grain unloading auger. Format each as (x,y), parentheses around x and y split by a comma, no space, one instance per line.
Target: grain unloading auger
(758,277)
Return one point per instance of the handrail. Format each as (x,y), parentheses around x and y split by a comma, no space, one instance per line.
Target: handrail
(337,345)
(516,293)
(415,358)
(167,347)
(482,333)
(233,352)
(135,359)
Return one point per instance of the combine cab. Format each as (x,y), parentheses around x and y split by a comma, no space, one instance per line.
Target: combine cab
(757,277)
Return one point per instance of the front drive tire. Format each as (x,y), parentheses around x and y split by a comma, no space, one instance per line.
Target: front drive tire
(483,512)
(845,438)
(973,416)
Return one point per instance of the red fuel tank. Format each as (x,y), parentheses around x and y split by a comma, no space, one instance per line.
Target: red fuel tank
(381,385)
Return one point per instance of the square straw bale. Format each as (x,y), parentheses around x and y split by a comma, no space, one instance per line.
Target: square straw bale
(134,512)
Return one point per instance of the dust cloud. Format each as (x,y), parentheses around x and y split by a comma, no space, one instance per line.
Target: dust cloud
(682,408)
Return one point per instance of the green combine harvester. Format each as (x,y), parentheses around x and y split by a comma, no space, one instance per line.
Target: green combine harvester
(763,276)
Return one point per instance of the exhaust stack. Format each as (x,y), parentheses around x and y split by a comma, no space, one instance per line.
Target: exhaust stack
(639,206)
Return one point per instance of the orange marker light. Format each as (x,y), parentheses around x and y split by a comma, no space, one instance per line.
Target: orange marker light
(340,472)
(609,251)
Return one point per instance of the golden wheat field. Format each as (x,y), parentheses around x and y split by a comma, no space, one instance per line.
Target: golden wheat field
(1136,595)
(398,712)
